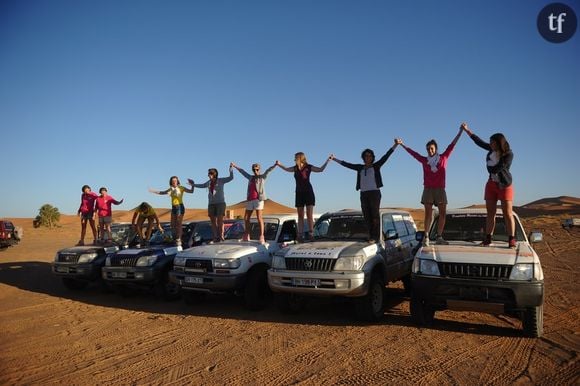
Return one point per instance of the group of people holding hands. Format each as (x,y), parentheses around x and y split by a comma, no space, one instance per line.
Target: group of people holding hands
(368,181)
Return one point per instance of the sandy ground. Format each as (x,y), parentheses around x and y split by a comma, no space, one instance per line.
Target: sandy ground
(52,335)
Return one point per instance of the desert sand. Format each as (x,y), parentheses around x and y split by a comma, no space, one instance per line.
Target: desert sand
(50,335)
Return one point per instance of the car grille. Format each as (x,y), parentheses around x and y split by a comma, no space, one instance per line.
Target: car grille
(309,264)
(475,271)
(68,258)
(199,265)
(123,261)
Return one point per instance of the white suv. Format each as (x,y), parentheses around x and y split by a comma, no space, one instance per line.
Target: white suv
(341,262)
(467,276)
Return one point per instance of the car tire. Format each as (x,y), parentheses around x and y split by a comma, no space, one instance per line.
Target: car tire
(422,313)
(371,308)
(533,321)
(167,290)
(73,284)
(257,292)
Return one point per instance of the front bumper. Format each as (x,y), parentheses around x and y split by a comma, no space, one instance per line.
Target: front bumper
(86,271)
(350,284)
(444,292)
(213,283)
(131,274)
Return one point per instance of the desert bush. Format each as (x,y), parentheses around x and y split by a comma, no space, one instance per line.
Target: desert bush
(48,216)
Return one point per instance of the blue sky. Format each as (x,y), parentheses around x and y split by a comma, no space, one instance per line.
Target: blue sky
(125,94)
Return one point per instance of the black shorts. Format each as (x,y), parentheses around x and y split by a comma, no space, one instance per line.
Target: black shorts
(304,199)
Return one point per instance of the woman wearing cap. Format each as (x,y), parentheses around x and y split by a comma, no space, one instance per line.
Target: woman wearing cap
(256,196)
(369,182)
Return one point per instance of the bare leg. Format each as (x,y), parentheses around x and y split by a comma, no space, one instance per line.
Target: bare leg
(83,230)
(300,225)
(508,217)
(441,222)
(220,227)
(491,207)
(247,216)
(214,227)
(179,226)
(261,223)
(310,218)
(428,217)
(93,228)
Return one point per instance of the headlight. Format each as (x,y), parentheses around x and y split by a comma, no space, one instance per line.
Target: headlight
(426,267)
(226,263)
(146,261)
(278,262)
(87,257)
(526,272)
(178,260)
(349,263)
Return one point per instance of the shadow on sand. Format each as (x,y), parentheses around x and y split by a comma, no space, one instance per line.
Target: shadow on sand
(38,277)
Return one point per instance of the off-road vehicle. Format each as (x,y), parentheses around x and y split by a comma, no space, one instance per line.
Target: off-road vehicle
(465,275)
(341,262)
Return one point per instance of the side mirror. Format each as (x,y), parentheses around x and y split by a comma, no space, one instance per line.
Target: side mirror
(536,237)
(419,236)
(391,235)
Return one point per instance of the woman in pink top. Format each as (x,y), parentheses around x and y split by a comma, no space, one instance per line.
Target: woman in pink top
(87,212)
(434,165)
(105,213)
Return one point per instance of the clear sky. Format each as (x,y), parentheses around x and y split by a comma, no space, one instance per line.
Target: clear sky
(126,93)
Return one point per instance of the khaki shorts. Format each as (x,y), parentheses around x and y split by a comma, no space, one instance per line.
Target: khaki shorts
(255,205)
(434,196)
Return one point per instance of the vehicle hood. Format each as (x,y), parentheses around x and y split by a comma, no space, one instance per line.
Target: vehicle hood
(153,250)
(471,253)
(226,249)
(330,249)
(80,250)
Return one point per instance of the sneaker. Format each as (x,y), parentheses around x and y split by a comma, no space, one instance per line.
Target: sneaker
(80,243)
(512,243)
(441,241)
(426,241)
(178,243)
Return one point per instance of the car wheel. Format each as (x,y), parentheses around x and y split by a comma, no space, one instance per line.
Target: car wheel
(371,307)
(257,292)
(533,321)
(73,284)
(422,313)
(288,303)
(168,290)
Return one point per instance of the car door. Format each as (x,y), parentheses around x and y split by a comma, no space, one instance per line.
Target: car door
(391,252)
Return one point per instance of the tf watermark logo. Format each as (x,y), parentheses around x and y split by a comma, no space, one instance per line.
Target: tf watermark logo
(557,22)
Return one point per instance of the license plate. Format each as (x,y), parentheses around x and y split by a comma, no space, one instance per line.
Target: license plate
(62,269)
(193,280)
(119,275)
(306,282)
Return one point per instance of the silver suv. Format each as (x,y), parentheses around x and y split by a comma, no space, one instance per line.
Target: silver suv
(341,262)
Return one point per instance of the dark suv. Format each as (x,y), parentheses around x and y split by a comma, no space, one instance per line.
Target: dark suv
(80,265)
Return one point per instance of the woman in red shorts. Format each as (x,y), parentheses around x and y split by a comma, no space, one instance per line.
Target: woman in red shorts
(499,186)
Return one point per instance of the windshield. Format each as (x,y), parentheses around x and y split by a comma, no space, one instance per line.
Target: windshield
(471,227)
(236,230)
(341,228)
(165,237)
(122,234)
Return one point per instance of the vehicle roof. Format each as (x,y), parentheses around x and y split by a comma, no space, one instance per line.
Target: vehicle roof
(282,216)
(358,212)
(473,211)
